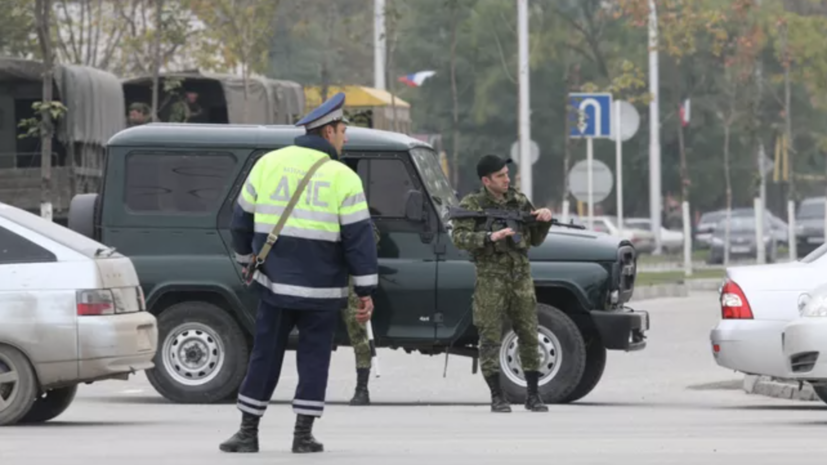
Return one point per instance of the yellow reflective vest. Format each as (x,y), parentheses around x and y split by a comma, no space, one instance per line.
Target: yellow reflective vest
(327,238)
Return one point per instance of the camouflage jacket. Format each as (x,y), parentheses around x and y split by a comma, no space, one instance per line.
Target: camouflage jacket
(504,255)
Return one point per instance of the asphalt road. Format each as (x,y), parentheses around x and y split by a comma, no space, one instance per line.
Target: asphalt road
(669,404)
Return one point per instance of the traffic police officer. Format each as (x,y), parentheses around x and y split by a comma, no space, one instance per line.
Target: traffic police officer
(326,239)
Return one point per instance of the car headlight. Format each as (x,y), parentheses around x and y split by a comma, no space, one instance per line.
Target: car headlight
(815,307)
(803,299)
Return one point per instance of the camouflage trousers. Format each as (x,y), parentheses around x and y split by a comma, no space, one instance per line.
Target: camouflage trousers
(498,300)
(356,331)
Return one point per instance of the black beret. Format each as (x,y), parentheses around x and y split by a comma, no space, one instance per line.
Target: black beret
(490,164)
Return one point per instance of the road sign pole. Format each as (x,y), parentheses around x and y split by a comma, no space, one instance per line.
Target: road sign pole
(590,177)
(619,167)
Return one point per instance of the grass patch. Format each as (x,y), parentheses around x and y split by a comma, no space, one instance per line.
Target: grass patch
(676,276)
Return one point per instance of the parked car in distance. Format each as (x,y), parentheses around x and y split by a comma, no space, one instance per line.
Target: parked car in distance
(71,311)
(671,241)
(643,240)
(757,302)
(809,225)
(804,341)
(742,240)
(705,228)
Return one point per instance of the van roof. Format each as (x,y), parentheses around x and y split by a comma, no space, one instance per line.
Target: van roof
(250,136)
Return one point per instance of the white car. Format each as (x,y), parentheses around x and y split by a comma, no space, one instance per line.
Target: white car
(757,303)
(672,241)
(805,341)
(643,240)
(71,311)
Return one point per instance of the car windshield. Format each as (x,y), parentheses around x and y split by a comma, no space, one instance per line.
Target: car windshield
(638,224)
(711,217)
(56,232)
(741,223)
(811,209)
(439,188)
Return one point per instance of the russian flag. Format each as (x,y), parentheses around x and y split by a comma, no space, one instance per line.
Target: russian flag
(683,113)
(416,79)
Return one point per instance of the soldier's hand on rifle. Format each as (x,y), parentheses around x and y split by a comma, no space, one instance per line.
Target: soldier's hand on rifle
(502,234)
(365,310)
(543,214)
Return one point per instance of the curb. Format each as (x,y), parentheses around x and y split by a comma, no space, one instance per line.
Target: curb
(779,388)
(680,289)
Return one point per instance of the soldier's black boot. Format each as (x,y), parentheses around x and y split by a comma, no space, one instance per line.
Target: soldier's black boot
(533,401)
(246,439)
(361,396)
(498,400)
(303,440)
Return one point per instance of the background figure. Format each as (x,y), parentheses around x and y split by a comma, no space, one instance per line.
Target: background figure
(358,335)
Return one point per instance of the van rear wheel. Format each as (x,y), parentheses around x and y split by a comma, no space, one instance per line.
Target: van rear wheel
(202,356)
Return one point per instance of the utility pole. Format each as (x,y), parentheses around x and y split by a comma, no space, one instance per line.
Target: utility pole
(379,44)
(654,130)
(524,106)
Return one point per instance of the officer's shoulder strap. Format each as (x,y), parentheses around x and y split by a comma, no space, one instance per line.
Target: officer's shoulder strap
(274,234)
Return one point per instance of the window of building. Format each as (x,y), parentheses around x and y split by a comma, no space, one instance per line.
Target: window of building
(178,182)
(17,249)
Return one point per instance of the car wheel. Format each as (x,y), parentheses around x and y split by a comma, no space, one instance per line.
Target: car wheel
(51,404)
(821,392)
(202,356)
(595,365)
(18,385)
(562,358)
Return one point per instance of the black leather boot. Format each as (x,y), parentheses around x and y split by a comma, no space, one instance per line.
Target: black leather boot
(361,396)
(303,440)
(533,401)
(246,439)
(498,401)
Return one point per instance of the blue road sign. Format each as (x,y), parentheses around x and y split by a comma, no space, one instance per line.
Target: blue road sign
(590,115)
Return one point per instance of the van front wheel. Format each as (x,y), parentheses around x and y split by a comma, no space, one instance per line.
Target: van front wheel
(202,354)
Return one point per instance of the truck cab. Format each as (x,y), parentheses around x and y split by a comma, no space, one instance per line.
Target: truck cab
(166,202)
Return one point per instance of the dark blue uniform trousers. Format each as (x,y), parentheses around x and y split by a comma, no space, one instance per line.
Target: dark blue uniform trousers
(273,327)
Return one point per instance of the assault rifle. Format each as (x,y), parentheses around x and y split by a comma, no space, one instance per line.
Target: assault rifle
(510,218)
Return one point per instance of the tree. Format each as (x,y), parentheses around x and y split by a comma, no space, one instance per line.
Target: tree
(740,40)
(16,26)
(242,31)
(681,28)
(42,19)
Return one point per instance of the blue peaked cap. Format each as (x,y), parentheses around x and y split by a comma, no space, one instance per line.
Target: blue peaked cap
(329,111)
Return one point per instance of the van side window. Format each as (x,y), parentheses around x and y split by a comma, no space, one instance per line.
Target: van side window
(17,249)
(386,182)
(177,182)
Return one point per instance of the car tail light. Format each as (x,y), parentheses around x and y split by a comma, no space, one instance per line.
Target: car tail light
(734,304)
(95,302)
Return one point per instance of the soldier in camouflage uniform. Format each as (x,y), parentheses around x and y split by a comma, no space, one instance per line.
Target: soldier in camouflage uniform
(504,287)
(358,334)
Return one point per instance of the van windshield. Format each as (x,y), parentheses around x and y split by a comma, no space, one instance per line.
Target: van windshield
(427,162)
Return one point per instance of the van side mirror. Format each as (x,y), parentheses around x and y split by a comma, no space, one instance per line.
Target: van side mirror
(414,209)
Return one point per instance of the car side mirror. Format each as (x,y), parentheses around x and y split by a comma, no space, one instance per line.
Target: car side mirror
(414,210)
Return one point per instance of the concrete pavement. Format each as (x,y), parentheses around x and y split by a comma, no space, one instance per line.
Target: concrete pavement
(669,404)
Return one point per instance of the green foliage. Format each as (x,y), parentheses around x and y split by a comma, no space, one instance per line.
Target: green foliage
(34,125)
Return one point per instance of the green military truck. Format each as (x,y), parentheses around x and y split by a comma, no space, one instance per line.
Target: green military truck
(166,202)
